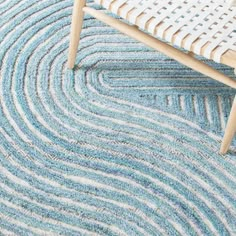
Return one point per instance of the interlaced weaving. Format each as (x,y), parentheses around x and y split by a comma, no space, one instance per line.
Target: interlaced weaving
(205,27)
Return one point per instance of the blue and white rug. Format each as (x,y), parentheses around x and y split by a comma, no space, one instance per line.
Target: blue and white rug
(126,144)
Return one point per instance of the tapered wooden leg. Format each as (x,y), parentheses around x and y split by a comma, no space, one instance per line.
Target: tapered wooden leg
(230,130)
(76,26)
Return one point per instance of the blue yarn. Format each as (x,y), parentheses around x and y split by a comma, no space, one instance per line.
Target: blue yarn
(126,143)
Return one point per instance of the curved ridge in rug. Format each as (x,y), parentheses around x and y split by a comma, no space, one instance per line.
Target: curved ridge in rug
(125,144)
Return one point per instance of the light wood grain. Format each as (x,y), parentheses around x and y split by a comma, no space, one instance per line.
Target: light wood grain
(230,130)
(76,27)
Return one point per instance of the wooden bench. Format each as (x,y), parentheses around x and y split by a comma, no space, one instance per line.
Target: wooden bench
(202,27)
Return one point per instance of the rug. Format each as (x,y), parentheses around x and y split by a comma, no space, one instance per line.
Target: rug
(125,144)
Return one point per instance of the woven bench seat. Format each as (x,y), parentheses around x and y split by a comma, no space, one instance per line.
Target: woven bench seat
(205,27)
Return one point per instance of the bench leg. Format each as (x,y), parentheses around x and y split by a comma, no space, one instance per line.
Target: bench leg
(230,130)
(76,26)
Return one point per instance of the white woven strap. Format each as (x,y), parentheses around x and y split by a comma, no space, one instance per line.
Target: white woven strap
(192,24)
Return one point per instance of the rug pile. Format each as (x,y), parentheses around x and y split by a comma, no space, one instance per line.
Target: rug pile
(125,144)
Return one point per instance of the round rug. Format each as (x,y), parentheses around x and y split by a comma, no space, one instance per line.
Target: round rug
(125,144)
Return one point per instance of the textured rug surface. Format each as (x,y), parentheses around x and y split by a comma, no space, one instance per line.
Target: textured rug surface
(126,144)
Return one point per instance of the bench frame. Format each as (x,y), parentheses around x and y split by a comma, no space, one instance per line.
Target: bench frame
(185,58)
